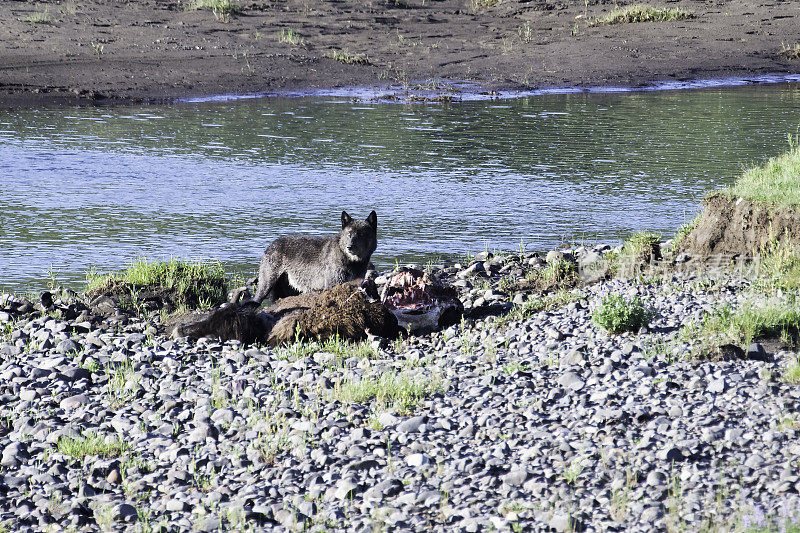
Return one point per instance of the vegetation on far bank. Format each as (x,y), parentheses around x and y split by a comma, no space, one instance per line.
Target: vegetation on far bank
(641,13)
(789,51)
(37,17)
(344,56)
(776,182)
(222,9)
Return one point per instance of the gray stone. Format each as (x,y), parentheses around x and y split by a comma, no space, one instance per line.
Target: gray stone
(560,522)
(669,454)
(756,352)
(125,512)
(10,350)
(14,454)
(208,524)
(573,357)
(516,477)
(67,346)
(174,505)
(73,402)
(387,419)
(416,460)
(571,380)
(412,425)
(651,514)
(656,478)
(346,488)
(717,385)
(134,339)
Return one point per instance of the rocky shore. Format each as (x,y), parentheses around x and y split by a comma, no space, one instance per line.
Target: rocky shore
(526,416)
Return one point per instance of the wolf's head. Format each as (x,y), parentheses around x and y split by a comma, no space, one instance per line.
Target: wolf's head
(358,238)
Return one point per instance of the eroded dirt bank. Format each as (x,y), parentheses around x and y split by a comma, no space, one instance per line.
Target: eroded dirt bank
(149,50)
(738,226)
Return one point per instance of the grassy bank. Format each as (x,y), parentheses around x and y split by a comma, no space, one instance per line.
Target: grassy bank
(776,182)
(183,284)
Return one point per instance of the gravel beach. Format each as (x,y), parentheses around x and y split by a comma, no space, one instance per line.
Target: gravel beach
(539,422)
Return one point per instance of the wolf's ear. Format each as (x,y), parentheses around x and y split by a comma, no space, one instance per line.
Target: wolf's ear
(346,219)
(372,220)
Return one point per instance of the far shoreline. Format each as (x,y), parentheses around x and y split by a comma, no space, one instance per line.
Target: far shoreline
(447,91)
(148,52)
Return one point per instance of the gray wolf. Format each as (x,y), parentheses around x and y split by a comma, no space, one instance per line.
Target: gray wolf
(294,264)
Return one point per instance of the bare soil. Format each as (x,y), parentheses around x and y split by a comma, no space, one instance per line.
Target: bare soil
(739,227)
(154,50)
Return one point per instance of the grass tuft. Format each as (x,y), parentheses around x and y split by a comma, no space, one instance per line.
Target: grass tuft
(37,17)
(343,56)
(340,348)
(92,444)
(789,51)
(775,182)
(640,248)
(398,390)
(641,13)
(618,314)
(222,9)
(791,374)
(775,316)
(684,232)
(290,37)
(778,267)
(557,275)
(274,436)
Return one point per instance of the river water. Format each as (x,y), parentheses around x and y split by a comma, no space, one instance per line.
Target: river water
(100,187)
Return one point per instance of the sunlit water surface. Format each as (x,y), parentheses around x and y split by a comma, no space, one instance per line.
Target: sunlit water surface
(99,187)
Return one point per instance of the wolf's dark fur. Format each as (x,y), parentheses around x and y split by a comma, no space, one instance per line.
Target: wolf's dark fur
(294,264)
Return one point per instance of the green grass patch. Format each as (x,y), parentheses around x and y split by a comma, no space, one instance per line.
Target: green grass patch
(37,17)
(791,374)
(274,436)
(641,13)
(92,444)
(290,37)
(340,348)
(776,182)
(343,56)
(790,51)
(753,320)
(617,314)
(683,232)
(483,4)
(222,9)
(398,390)
(185,284)
(641,247)
(123,382)
(558,271)
(556,275)
(778,267)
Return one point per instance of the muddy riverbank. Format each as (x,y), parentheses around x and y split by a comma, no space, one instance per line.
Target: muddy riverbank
(99,51)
